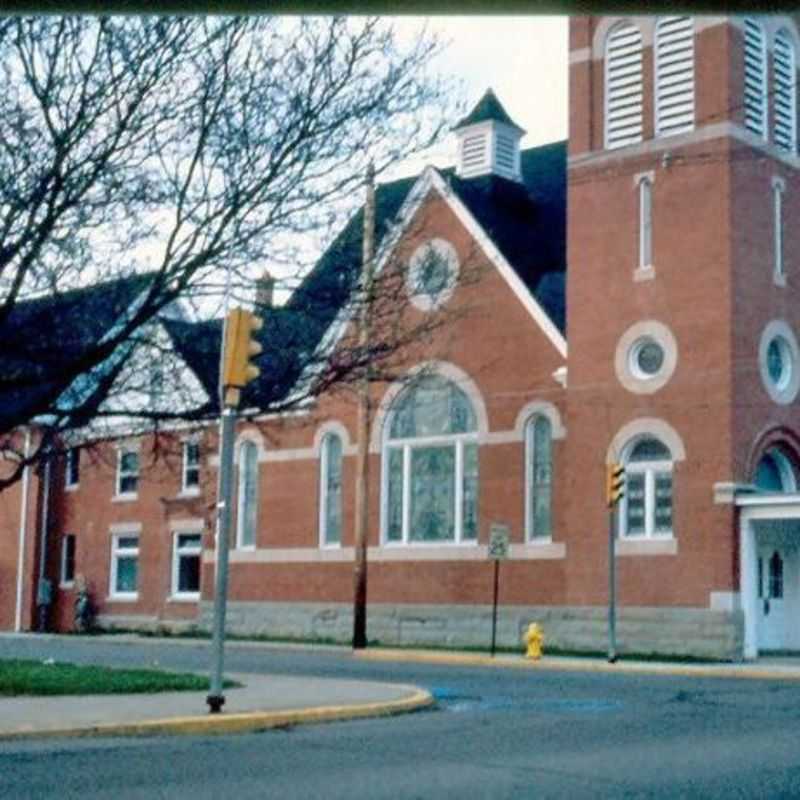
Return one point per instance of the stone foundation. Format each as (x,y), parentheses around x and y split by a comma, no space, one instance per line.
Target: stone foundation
(698,632)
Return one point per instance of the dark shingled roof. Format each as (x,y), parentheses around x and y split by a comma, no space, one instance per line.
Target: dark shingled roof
(488,108)
(526,221)
(44,335)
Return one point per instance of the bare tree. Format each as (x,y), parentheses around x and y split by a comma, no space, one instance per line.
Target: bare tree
(176,153)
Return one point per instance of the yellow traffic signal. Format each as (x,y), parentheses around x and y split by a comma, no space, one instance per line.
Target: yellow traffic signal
(240,347)
(615,483)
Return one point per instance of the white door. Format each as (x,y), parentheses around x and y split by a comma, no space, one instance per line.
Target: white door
(770,603)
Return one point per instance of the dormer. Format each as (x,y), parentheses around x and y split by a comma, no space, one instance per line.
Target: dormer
(488,141)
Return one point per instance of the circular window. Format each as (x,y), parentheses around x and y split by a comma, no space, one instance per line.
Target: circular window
(432,274)
(646,358)
(778,354)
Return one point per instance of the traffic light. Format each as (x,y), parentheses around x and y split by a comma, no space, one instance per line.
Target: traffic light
(615,483)
(240,347)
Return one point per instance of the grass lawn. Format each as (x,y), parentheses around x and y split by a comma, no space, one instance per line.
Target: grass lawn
(19,677)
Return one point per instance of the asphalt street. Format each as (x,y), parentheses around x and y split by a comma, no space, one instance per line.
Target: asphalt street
(495,733)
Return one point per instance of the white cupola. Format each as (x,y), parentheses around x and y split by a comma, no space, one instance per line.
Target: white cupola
(488,141)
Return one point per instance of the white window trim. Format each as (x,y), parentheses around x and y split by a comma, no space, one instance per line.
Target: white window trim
(324,467)
(195,489)
(119,495)
(458,440)
(644,183)
(175,593)
(63,582)
(786,394)
(530,453)
(117,552)
(778,232)
(71,454)
(658,332)
(650,469)
(240,494)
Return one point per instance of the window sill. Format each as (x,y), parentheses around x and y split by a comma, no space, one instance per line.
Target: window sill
(646,273)
(125,498)
(122,598)
(71,487)
(647,547)
(66,585)
(184,598)
(192,492)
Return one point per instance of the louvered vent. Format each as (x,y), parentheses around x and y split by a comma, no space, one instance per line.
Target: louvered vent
(785,66)
(674,75)
(473,154)
(623,86)
(504,153)
(755,78)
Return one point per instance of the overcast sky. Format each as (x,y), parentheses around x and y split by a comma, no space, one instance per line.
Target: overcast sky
(524,59)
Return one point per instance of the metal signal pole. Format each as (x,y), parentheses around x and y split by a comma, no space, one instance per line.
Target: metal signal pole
(362,456)
(236,371)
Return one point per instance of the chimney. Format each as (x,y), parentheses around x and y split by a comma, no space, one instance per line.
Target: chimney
(265,289)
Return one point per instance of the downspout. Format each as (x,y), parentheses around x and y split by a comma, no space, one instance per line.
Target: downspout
(44,598)
(23,524)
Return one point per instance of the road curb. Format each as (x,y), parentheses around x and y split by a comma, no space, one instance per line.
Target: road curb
(556,664)
(241,722)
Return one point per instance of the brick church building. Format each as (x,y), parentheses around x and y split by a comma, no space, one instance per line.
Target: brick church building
(629,295)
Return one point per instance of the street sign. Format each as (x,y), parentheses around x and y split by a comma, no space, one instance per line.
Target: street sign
(499,537)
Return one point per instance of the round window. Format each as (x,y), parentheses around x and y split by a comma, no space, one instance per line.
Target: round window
(779,363)
(432,274)
(778,354)
(646,358)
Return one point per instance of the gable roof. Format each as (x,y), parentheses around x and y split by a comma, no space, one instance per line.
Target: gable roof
(488,109)
(43,335)
(525,222)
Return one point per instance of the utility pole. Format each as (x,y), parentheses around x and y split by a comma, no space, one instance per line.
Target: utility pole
(236,372)
(362,456)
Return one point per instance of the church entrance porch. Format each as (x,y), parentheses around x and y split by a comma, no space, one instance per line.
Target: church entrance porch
(769,561)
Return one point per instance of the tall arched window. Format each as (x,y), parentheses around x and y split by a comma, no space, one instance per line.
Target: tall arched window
(645,221)
(431,465)
(674,75)
(538,477)
(646,509)
(755,78)
(330,490)
(623,72)
(784,64)
(247,504)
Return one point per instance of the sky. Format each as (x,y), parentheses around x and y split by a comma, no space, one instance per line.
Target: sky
(524,59)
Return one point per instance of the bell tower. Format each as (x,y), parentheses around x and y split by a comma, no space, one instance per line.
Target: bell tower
(682,169)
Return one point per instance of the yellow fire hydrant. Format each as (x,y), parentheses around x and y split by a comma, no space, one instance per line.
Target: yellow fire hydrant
(534,638)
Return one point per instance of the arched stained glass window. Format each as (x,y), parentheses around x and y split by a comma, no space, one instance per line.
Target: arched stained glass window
(247,505)
(431,465)
(330,489)
(539,475)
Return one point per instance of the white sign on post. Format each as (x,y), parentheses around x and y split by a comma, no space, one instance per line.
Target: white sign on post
(499,538)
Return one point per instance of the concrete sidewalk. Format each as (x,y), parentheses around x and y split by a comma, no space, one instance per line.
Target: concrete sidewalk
(264,701)
(765,668)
